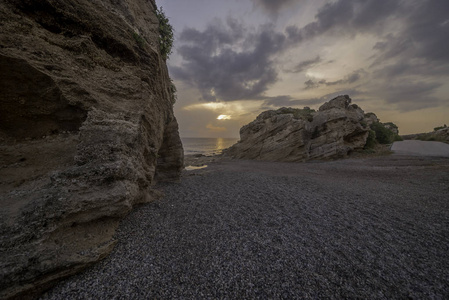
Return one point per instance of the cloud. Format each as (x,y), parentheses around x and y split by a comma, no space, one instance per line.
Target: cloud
(349,79)
(409,95)
(288,101)
(406,68)
(215,128)
(228,61)
(346,17)
(272,6)
(304,65)
(311,84)
(425,33)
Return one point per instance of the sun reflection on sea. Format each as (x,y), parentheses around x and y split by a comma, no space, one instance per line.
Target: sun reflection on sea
(193,168)
(219,144)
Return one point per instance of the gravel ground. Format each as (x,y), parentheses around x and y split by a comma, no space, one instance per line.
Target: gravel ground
(373,228)
(427,148)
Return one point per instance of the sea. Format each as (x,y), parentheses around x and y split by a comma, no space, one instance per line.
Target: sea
(206,146)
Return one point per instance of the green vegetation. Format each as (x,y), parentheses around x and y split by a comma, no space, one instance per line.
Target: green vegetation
(383,134)
(391,125)
(431,138)
(440,127)
(173,91)
(166,37)
(398,138)
(371,141)
(139,40)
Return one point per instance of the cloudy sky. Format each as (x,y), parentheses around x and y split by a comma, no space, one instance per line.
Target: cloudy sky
(234,59)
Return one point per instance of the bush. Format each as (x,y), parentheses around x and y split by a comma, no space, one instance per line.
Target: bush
(391,125)
(173,91)
(371,141)
(440,127)
(166,37)
(429,137)
(139,40)
(398,138)
(383,134)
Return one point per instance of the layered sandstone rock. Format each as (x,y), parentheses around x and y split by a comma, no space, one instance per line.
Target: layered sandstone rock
(288,134)
(86,129)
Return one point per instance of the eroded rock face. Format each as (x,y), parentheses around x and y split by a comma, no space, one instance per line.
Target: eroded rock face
(296,135)
(86,129)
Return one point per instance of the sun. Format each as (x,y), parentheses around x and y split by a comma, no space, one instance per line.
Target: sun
(224,117)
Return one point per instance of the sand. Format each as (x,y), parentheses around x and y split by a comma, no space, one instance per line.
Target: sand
(373,228)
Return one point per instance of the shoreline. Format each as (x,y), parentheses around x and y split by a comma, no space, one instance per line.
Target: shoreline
(371,227)
(198,160)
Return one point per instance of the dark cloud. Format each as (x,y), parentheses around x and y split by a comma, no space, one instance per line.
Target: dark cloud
(304,65)
(312,84)
(424,34)
(410,64)
(346,17)
(351,78)
(288,101)
(229,62)
(408,95)
(405,68)
(273,6)
(426,28)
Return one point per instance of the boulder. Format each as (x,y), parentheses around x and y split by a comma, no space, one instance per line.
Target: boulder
(371,118)
(289,134)
(86,130)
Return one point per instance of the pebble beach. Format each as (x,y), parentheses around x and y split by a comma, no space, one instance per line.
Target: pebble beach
(371,228)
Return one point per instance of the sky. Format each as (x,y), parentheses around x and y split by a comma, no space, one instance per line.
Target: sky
(234,59)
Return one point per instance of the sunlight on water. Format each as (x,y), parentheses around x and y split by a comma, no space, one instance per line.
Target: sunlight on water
(206,146)
(193,168)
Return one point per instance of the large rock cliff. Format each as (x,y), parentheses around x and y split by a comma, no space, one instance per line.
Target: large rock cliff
(86,129)
(289,134)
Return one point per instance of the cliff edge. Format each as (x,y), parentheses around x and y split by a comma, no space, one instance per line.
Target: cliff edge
(86,129)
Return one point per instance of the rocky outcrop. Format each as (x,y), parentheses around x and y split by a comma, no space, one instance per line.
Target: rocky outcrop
(442,134)
(289,134)
(86,129)
(439,134)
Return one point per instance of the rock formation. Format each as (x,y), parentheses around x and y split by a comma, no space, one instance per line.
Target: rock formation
(442,134)
(439,134)
(289,134)
(86,129)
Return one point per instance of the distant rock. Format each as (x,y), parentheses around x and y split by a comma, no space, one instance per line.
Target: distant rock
(289,134)
(442,134)
(439,134)
(86,129)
